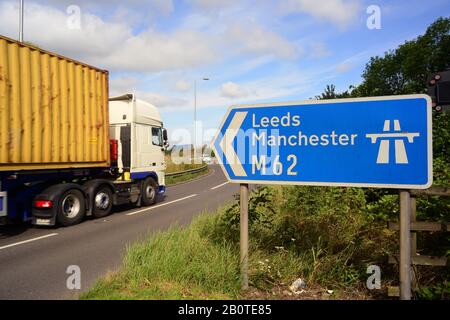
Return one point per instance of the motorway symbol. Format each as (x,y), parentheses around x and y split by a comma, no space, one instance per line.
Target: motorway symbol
(400,151)
(367,142)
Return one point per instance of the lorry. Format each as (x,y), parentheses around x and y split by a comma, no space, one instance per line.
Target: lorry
(67,150)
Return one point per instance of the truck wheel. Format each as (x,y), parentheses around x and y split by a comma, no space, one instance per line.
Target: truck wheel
(149,191)
(71,208)
(102,202)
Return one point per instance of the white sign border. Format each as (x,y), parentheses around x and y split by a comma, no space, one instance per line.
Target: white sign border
(336,184)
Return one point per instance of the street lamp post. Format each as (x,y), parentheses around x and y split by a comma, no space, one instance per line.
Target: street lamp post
(21,21)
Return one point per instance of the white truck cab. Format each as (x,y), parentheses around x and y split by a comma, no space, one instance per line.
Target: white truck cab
(137,127)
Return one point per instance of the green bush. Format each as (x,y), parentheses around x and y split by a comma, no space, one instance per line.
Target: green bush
(438,291)
(327,229)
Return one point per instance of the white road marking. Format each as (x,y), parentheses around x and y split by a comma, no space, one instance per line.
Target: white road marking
(160,205)
(29,240)
(220,185)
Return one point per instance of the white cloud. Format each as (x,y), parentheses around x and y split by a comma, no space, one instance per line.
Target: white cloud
(47,28)
(357,59)
(162,101)
(344,67)
(182,85)
(274,87)
(108,45)
(151,7)
(114,45)
(232,90)
(255,39)
(340,12)
(163,6)
(123,84)
(212,4)
(197,21)
(319,50)
(153,51)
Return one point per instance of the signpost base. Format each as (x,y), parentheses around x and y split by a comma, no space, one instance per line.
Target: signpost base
(244,235)
(405,245)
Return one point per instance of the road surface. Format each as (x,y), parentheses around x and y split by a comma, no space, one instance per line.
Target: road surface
(34,260)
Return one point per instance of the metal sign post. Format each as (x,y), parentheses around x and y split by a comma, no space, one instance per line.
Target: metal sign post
(405,245)
(244,235)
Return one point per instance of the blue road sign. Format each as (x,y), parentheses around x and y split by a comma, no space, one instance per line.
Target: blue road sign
(369,142)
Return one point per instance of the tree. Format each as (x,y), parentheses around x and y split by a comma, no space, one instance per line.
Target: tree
(405,71)
(330,93)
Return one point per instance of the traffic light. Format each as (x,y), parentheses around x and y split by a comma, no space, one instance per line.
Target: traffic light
(439,90)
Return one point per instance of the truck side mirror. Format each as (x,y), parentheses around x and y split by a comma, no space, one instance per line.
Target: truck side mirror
(165,138)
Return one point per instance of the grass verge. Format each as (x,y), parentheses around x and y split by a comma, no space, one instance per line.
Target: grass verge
(191,263)
(174,264)
(325,236)
(186,177)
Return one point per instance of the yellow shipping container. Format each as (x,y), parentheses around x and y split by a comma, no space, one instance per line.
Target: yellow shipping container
(53,110)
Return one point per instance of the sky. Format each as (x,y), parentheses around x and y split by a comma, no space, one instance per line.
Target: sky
(251,51)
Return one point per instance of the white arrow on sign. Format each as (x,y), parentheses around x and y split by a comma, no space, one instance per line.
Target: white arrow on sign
(227,144)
